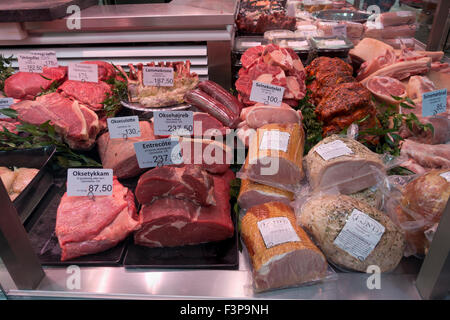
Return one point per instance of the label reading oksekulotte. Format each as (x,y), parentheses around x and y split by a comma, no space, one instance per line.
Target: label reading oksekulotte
(360,235)
(278,230)
(333,150)
(124,127)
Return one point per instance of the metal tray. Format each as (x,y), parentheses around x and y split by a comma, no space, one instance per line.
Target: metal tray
(41,232)
(38,158)
(341,15)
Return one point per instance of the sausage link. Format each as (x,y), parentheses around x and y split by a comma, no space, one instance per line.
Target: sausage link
(220,94)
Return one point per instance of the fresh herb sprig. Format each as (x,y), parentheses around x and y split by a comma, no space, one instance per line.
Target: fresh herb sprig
(112,103)
(312,126)
(35,136)
(6,70)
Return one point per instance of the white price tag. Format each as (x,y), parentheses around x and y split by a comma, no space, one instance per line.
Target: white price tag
(360,235)
(83,72)
(4,104)
(268,94)
(278,230)
(89,182)
(158,76)
(158,152)
(48,58)
(333,150)
(29,63)
(446,176)
(275,140)
(334,43)
(298,44)
(340,30)
(124,127)
(434,102)
(179,123)
(250,44)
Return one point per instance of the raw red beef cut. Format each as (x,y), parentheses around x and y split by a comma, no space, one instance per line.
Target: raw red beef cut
(169,222)
(9,124)
(26,85)
(77,126)
(251,56)
(208,126)
(119,154)
(85,226)
(188,182)
(92,94)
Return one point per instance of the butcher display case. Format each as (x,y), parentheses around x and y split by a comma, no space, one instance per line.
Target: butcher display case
(202,32)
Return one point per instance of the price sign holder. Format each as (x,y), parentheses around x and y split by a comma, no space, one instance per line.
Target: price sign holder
(89,182)
(173,123)
(434,102)
(268,94)
(124,127)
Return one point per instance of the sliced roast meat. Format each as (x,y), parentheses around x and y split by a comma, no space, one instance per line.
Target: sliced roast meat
(188,182)
(169,222)
(385,87)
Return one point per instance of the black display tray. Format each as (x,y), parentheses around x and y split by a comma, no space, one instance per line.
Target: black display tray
(38,158)
(212,255)
(41,231)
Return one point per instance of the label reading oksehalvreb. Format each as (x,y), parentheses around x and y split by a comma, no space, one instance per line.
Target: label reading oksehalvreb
(360,235)
(160,152)
(158,76)
(446,176)
(275,140)
(268,94)
(48,58)
(178,123)
(333,150)
(339,30)
(124,127)
(4,104)
(89,182)
(29,63)
(83,72)
(278,230)
(434,102)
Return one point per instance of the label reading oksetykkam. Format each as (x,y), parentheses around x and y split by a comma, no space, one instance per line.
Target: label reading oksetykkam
(275,140)
(277,230)
(360,235)
(89,182)
(333,150)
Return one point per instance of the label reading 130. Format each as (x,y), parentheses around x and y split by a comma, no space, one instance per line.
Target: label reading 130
(89,182)
(124,127)
(268,94)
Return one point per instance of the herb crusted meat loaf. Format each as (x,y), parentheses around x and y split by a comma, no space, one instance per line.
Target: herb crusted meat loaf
(325,217)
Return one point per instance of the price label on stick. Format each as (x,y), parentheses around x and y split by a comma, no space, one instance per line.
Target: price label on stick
(267,93)
(89,182)
(5,103)
(124,127)
(160,152)
(29,63)
(158,76)
(83,72)
(48,58)
(179,123)
(340,30)
(434,102)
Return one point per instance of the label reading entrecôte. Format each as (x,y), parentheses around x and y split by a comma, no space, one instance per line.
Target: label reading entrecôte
(158,76)
(360,235)
(83,72)
(124,127)
(268,94)
(275,140)
(179,123)
(5,103)
(277,230)
(158,152)
(333,150)
(89,182)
